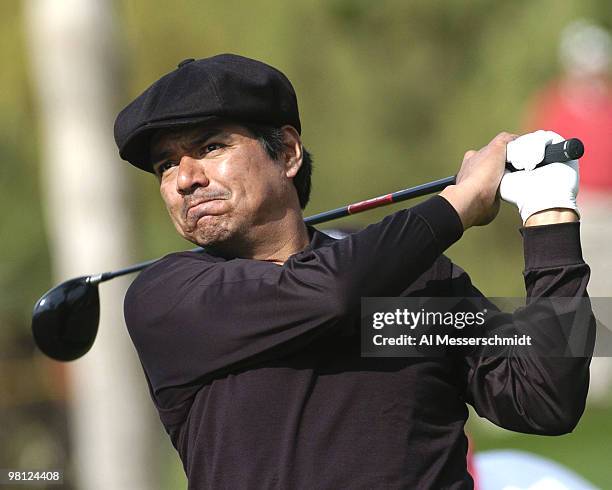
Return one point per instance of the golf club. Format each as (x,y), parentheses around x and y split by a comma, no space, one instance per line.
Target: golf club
(65,319)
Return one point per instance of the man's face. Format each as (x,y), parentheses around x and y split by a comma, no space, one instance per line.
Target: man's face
(218,183)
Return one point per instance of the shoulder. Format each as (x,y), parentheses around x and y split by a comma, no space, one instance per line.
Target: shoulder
(443,278)
(170,269)
(165,282)
(442,269)
(182,275)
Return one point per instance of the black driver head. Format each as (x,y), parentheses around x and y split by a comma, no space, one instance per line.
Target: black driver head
(65,319)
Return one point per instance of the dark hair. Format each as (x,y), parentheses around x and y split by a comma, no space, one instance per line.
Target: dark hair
(271,139)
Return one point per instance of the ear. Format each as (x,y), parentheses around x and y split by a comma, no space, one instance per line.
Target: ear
(292,154)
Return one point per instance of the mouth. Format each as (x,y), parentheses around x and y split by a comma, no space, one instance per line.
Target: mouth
(209,207)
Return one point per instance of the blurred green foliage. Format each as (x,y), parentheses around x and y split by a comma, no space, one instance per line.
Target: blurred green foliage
(24,269)
(392,93)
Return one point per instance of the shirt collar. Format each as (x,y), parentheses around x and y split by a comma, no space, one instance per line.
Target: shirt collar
(317,239)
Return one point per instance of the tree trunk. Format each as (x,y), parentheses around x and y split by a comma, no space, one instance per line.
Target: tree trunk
(86,189)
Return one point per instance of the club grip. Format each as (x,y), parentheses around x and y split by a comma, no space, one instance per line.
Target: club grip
(564,151)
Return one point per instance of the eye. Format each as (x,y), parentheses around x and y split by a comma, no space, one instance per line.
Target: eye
(205,149)
(164,166)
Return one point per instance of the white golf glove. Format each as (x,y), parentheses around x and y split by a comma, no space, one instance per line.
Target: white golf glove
(536,189)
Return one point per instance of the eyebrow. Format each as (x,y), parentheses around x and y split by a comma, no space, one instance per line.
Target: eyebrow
(159,158)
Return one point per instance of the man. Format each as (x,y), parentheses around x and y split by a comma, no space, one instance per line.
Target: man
(251,349)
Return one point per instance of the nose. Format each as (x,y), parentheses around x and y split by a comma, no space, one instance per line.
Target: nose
(191,175)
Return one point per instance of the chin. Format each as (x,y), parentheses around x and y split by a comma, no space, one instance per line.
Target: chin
(211,234)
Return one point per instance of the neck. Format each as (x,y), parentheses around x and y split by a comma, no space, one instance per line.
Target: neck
(273,241)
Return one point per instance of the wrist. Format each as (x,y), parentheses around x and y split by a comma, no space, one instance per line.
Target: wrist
(458,201)
(551,217)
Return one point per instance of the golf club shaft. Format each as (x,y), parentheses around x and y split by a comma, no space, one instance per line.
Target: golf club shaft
(105,276)
(376,202)
(559,152)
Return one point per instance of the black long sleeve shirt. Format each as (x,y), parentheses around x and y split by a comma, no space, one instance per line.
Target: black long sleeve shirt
(256,373)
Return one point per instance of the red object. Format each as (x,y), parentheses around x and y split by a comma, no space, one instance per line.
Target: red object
(370,203)
(580,109)
(471,467)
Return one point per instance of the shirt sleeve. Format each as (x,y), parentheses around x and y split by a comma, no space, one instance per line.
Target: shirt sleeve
(192,319)
(536,393)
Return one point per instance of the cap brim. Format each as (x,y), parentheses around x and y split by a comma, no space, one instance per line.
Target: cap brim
(136,150)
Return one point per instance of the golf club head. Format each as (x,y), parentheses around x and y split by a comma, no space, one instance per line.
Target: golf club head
(65,319)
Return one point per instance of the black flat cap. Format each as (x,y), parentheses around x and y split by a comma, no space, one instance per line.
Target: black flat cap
(226,86)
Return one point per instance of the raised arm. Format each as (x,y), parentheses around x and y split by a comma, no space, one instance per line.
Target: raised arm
(536,393)
(192,316)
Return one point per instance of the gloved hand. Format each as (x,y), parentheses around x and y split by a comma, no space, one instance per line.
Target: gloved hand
(536,189)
